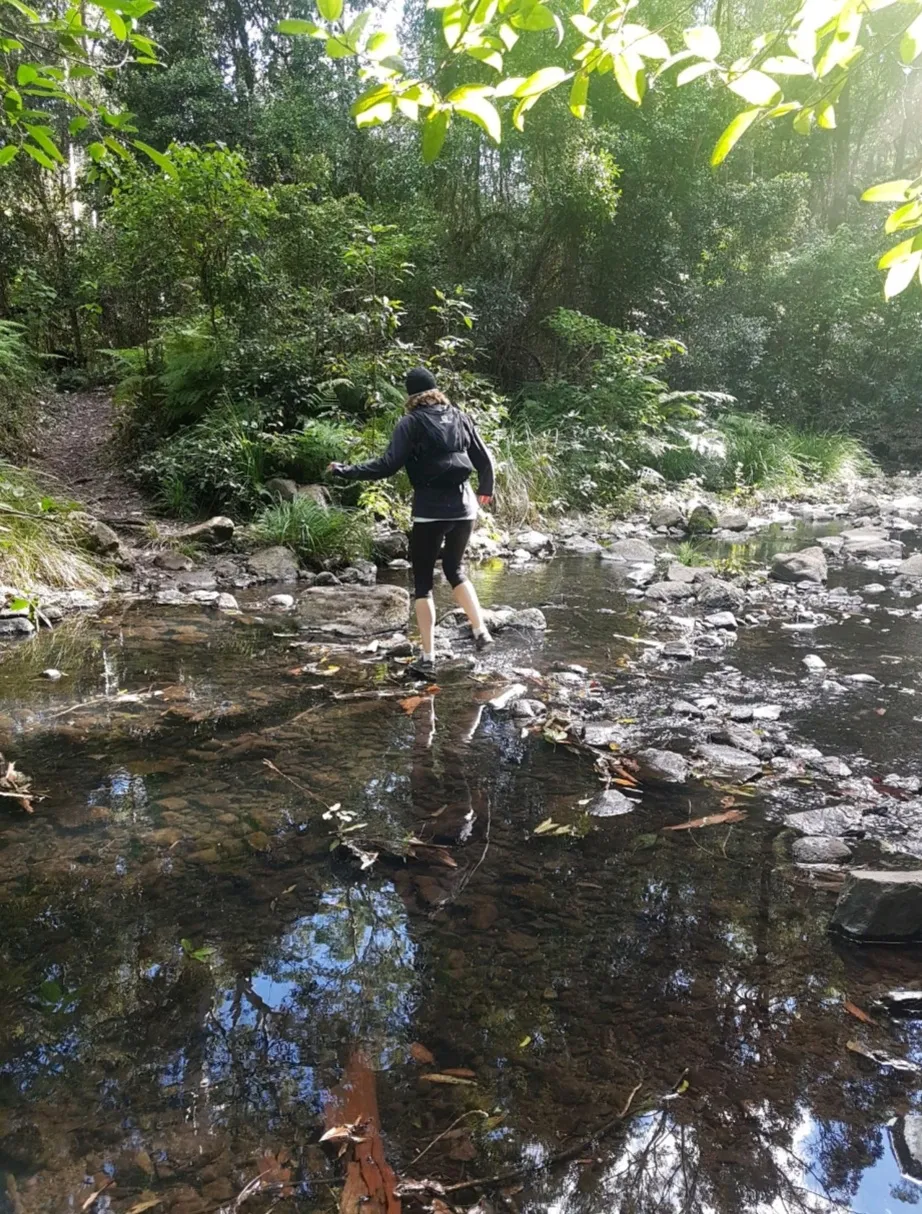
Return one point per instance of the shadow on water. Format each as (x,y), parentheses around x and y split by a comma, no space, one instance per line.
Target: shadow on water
(554,972)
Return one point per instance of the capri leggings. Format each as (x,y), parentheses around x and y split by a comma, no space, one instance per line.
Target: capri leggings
(425,541)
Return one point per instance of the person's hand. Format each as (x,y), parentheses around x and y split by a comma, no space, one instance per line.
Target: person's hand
(484,501)
(335,467)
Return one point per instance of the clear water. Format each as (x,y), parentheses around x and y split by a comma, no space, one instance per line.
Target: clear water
(559,971)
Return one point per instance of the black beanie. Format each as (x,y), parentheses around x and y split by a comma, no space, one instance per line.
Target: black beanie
(420,380)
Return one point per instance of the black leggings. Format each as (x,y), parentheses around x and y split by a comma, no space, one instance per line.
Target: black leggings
(425,542)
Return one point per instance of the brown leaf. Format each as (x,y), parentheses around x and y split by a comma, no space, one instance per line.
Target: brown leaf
(731,815)
(463,1150)
(443,1078)
(728,802)
(411,703)
(855,1011)
(92,1197)
(147,1204)
(420,1054)
(439,1207)
(354,1132)
(462,1072)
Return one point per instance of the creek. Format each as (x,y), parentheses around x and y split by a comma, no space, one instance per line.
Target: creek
(556,972)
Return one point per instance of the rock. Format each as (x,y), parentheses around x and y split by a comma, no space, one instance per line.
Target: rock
(217,530)
(326,578)
(360,573)
(357,610)
(808,565)
(663,765)
(52,674)
(282,487)
(740,737)
(880,905)
(766,712)
(733,520)
(317,493)
(820,849)
(814,662)
(171,597)
(639,575)
(718,595)
(611,804)
(682,573)
(391,546)
(729,762)
(13,625)
(175,562)
(529,618)
(632,552)
(284,602)
(868,543)
(603,733)
(831,765)
(668,516)
(226,602)
(535,543)
(864,503)
(912,566)
(906,1130)
(702,520)
(722,619)
(679,649)
(910,503)
(94,535)
(198,579)
(276,564)
(669,592)
(687,709)
(581,545)
(529,709)
(832,820)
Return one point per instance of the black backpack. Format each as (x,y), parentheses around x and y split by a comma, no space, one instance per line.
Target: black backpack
(443,440)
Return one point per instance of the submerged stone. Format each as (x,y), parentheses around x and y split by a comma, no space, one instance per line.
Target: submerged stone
(808,565)
(881,905)
(728,761)
(665,766)
(820,849)
(835,820)
(359,609)
(611,804)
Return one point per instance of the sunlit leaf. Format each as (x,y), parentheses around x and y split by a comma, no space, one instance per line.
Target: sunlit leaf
(888,191)
(579,92)
(755,87)
(693,72)
(330,10)
(454,20)
(435,129)
(639,39)
(787,65)
(161,161)
(732,135)
(631,77)
(542,81)
(703,40)
(307,29)
(826,118)
(536,18)
(899,252)
(8,152)
(483,113)
(901,274)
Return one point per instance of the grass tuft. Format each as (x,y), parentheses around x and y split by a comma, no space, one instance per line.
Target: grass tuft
(314,532)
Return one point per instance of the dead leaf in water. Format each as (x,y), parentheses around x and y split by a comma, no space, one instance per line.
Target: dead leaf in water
(731,815)
(448,1079)
(854,1010)
(354,1132)
(461,1072)
(147,1204)
(420,1054)
(882,1059)
(411,703)
(92,1197)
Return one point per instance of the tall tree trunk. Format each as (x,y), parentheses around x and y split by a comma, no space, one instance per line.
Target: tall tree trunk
(841,161)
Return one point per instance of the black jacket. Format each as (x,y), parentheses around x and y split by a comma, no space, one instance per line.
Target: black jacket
(438,445)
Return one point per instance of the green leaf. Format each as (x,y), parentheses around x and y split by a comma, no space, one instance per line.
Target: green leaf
(38,155)
(703,40)
(116,24)
(7,153)
(899,252)
(586,26)
(826,118)
(381,45)
(537,18)
(840,49)
(508,35)
(50,992)
(509,87)
(381,92)
(542,81)
(330,10)
(161,161)
(26,73)
(96,152)
(29,13)
(693,72)
(732,135)
(787,65)
(803,122)
(483,54)
(755,87)
(518,114)
(901,274)
(679,57)
(18,604)
(579,93)
(454,20)
(338,48)
(639,39)
(481,111)
(631,77)
(376,115)
(78,124)
(906,216)
(297,28)
(42,136)
(888,191)
(435,129)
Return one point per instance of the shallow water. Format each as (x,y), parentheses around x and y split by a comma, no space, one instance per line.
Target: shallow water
(559,971)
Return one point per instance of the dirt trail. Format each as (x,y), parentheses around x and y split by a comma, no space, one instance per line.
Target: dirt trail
(75,447)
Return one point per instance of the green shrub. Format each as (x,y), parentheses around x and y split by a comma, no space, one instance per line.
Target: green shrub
(316,533)
(19,377)
(305,454)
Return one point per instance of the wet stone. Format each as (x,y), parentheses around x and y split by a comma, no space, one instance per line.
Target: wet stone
(603,733)
(820,849)
(611,804)
(835,820)
(683,650)
(808,565)
(722,619)
(663,765)
(258,841)
(669,592)
(631,552)
(276,564)
(718,595)
(728,761)
(702,520)
(881,905)
(668,516)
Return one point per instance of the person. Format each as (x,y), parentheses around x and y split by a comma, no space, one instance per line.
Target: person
(440,448)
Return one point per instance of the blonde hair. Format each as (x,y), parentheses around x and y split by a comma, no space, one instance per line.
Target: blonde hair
(431,397)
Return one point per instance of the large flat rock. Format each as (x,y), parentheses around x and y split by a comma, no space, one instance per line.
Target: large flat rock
(878,905)
(353,610)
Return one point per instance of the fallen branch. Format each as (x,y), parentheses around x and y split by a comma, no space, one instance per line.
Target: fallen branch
(296,783)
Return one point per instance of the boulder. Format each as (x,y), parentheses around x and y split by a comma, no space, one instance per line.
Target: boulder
(581,545)
(353,610)
(670,592)
(226,602)
(834,820)
(197,579)
(317,493)
(94,535)
(714,594)
(871,544)
(217,530)
(360,573)
(668,516)
(277,564)
(733,520)
(808,565)
(535,543)
(16,625)
(864,503)
(282,488)
(702,520)
(282,602)
(391,545)
(664,766)
(909,503)
(722,619)
(632,552)
(678,572)
(912,566)
(820,849)
(880,905)
(603,733)
(174,562)
(529,618)
(741,737)
(813,662)
(728,762)
(611,804)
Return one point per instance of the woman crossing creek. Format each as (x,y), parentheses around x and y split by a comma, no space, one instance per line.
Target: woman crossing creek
(440,448)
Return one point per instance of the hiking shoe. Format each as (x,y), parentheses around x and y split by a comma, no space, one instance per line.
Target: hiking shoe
(422,666)
(482,640)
